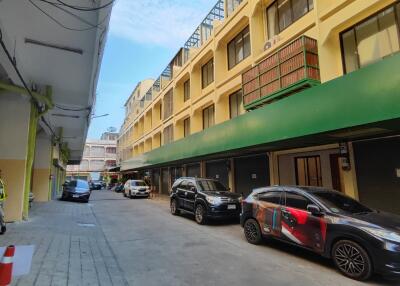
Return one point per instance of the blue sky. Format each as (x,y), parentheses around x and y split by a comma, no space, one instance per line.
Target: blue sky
(144,36)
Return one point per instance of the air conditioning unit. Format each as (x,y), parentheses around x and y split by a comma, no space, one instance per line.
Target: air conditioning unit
(271,42)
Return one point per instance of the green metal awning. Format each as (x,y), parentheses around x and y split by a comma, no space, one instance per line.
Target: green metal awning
(367,97)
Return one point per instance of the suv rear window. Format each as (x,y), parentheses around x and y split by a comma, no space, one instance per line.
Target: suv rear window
(210,185)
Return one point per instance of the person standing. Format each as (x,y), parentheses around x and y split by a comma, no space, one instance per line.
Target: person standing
(3,197)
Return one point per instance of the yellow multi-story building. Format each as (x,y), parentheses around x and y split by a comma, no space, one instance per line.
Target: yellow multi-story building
(277,92)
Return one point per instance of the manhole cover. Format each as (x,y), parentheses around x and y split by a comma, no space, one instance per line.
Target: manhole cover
(87,224)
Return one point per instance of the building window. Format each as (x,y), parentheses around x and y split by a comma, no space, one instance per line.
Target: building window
(186,90)
(282,13)
(97,151)
(371,40)
(308,171)
(168,104)
(97,165)
(235,104)
(111,163)
(231,5)
(208,117)
(239,48)
(168,134)
(186,127)
(111,150)
(207,73)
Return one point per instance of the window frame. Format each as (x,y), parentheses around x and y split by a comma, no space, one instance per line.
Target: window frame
(284,201)
(239,110)
(293,20)
(186,90)
(397,19)
(281,196)
(239,36)
(207,110)
(205,69)
(186,131)
(168,133)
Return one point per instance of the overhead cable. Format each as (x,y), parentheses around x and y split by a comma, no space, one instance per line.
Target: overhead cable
(86,8)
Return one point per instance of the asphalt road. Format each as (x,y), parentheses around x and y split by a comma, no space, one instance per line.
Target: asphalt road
(155,248)
(118,241)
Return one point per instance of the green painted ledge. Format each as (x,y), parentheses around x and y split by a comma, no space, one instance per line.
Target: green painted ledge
(369,95)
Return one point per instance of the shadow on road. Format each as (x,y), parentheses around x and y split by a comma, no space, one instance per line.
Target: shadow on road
(305,254)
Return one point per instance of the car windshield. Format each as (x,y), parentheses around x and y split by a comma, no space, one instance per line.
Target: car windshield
(138,184)
(210,185)
(338,203)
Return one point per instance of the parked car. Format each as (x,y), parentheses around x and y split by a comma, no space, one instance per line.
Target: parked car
(359,240)
(136,188)
(96,185)
(118,188)
(76,190)
(205,198)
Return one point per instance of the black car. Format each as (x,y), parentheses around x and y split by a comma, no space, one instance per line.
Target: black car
(96,185)
(205,198)
(76,190)
(359,240)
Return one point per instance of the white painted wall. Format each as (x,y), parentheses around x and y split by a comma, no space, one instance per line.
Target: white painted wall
(287,175)
(42,152)
(14,123)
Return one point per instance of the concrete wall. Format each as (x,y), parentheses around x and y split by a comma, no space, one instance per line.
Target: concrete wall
(14,123)
(287,170)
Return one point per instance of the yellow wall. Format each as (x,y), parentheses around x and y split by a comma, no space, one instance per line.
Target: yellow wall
(324,23)
(41,184)
(13,175)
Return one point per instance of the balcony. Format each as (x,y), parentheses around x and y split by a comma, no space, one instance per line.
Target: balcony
(291,69)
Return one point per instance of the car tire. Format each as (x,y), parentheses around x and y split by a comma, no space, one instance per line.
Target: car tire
(252,231)
(352,260)
(200,214)
(3,229)
(174,207)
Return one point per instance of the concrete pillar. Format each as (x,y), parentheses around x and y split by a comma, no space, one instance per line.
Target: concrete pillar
(15,112)
(42,168)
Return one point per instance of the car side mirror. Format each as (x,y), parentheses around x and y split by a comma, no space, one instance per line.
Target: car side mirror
(64,185)
(314,210)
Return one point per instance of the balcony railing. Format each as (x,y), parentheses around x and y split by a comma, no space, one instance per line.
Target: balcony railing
(292,68)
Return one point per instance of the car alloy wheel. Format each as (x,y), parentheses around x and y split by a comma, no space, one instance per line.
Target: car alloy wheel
(199,214)
(352,260)
(252,231)
(174,207)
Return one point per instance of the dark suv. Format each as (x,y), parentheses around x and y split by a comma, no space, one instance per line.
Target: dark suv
(205,198)
(359,240)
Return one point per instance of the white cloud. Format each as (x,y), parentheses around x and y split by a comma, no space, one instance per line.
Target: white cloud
(166,23)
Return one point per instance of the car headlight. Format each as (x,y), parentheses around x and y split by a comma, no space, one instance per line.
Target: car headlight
(213,200)
(383,233)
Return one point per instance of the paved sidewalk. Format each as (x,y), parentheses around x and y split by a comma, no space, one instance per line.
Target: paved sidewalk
(70,247)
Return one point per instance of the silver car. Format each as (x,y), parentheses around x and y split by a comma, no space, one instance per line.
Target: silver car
(136,188)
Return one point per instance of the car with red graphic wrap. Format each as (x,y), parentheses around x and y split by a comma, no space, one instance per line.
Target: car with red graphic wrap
(359,240)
